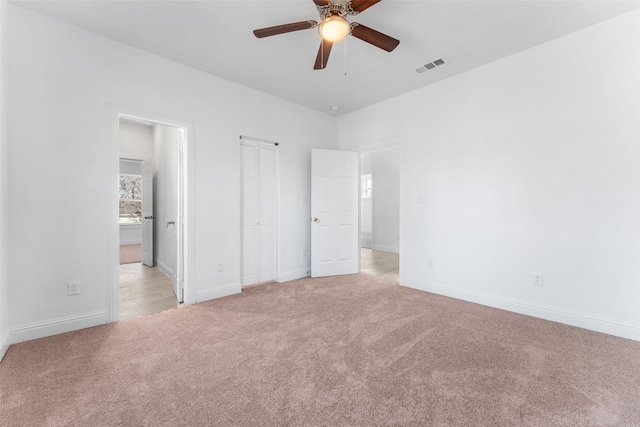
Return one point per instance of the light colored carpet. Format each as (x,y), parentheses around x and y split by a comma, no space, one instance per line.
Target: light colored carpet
(130,254)
(350,351)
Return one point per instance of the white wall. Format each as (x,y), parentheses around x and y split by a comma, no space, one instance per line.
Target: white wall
(130,167)
(4,180)
(384,165)
(366,210)
(165,198)
(63,80)
(130,234)
(135,141)
(530,164)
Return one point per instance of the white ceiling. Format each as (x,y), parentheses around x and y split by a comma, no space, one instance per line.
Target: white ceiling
(216,37)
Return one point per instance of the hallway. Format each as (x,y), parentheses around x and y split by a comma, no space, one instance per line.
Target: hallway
(144,290)
(379,263)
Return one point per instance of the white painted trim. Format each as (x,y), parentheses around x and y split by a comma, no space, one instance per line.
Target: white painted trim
(124,156)
(111,211)
(32,331)
(380,147)
(384,248)
(374,185)
(568,317)
(220,292)
(279,226)
(131,228)
(4,343)
(130,242)
(292,275)
(165,269)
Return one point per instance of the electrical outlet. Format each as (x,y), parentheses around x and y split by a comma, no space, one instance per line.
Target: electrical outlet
(73,288)
(221,266)
(537,279)
(430,263)
(422,198)
(304,252)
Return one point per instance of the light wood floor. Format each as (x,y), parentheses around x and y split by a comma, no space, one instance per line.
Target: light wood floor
(144,290)
(378,263)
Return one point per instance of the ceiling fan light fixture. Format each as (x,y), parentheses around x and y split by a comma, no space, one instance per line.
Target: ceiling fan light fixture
(334,28)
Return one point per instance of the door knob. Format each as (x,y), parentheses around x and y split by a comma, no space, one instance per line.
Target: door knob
(315,219)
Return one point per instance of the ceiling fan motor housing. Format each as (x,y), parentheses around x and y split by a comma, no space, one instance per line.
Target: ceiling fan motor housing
(339,8)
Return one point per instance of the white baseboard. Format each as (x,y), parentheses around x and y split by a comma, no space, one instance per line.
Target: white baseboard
(61,325)
(394,249)
(4,343)
(165,269)
(130,242)
(223,291)
(292,275)
(581,320)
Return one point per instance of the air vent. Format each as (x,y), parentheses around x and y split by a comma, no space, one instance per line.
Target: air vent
(431,65)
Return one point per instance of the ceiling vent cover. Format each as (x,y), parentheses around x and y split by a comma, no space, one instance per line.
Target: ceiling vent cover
(431,65)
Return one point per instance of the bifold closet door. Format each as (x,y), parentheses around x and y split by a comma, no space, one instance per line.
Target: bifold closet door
(258,211)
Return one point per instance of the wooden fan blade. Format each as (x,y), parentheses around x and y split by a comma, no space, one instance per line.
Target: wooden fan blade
(323,2)
(286,28)
(374,37)
(360,5)
(323,55)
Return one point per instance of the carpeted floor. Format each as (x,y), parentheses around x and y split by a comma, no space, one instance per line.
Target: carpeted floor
(348,351)
(130,254)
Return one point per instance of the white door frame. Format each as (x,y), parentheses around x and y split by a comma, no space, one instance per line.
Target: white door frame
(186,176)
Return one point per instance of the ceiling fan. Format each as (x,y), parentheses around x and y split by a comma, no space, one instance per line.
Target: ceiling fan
(335,27)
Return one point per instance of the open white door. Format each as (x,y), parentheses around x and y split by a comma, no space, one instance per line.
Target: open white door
(147,214)
(334,212)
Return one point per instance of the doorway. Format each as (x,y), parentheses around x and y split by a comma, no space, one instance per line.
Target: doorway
(150,274)
(380,211)
(366,210)
(148,211)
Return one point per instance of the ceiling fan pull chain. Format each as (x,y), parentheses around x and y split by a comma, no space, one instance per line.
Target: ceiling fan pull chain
(345,56)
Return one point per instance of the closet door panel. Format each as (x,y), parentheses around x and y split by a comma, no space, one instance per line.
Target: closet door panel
(258,211)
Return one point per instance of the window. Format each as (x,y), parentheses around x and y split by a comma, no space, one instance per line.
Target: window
(366,181)
(130,199)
